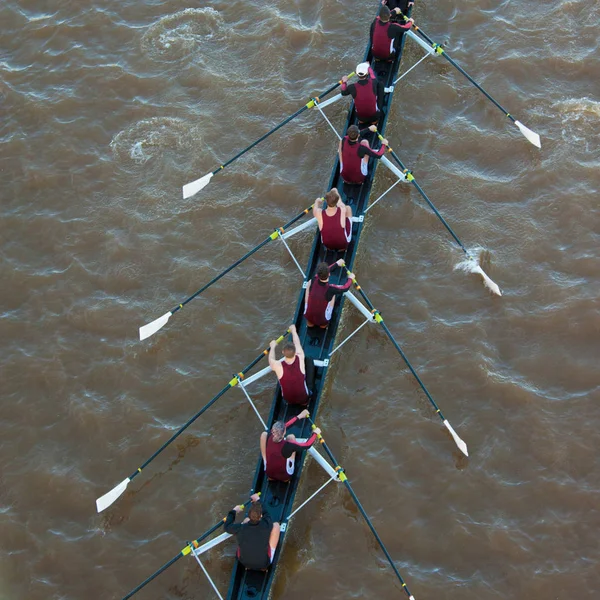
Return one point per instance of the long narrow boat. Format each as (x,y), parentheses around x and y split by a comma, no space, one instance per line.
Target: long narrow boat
(278,498)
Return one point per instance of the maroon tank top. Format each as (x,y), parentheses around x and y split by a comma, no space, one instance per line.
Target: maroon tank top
(275,460)
(333,235)
(382,44)
(293,383)
(366,100)
(317,302)
(351,162)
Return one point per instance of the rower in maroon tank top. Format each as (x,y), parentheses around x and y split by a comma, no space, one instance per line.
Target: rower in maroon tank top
(354,154)
(291,371)
(335,222)
(279,450)
(319,297)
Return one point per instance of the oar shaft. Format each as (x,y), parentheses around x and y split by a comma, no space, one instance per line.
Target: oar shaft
(308,105)
(438,48)
(272,237)
(380,320)
(231,384)
(425,197)
(344,479)
(153,576)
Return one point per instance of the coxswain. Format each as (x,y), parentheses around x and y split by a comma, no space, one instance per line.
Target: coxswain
(335,222)
(279,450)
(292,370)
(257,535)
(354,155)
(367,93)
(320,295)
(386,36)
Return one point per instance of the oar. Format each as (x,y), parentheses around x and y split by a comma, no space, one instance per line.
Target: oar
(461,445)
(344,480)
(195,186)
(108,498)
(474,266)
(184,552)
(533,137)
(151,328)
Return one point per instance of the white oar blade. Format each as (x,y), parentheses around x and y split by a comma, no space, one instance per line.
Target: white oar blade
(532,136)
(461,445)
(106,500)
(151,328)
(189,189)
(489,283)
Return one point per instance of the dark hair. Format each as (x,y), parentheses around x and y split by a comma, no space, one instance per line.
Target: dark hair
(323,271)
(255,512)
(332,196)
(384,13)
(353,132)
(289,348)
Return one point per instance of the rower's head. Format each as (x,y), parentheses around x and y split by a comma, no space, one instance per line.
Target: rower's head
(255,512)
(353,133)
(384,14)
(362,70)
(278,431)
(289,350)
(332,197)
(323,271)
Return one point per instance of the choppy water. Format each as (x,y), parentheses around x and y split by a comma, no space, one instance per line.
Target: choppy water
(108,109)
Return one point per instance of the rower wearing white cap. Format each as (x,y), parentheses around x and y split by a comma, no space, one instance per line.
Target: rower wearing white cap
(367,93)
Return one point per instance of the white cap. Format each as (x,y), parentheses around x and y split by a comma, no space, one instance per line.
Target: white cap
(362,69)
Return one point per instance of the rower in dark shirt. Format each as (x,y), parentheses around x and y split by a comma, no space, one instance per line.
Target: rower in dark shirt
(279,451)
(385,36)
(354,155)
(367,93)
(257,535)
(402,6)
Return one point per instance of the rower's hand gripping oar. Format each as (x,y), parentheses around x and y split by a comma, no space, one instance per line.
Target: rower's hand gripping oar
(473,264)
(344,479)
(189,189)
(151,328)
(105,501)
(191,546)
(531,136)
(379,319)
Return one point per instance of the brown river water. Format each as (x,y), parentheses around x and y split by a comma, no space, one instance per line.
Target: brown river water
(108,108)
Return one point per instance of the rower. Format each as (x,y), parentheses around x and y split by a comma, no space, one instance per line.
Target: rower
(398,6)
(279,451)
(294,372)
(335,222)
(320,295)
(354,155)
(257,535)
(367,93)
(386,36)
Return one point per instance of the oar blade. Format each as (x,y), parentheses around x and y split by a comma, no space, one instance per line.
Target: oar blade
(105,501)
(151,328)
(461,445)
(532,136)
(489,283)
(189,189)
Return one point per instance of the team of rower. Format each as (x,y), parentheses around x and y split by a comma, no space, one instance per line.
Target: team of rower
(257,535)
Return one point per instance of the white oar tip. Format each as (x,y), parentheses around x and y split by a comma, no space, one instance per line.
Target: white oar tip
(151,328)
(105,501)
(532,136)
(458,441)
(190,189)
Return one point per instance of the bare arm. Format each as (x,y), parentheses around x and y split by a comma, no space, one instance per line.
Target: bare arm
(263,447)
(296,340)
(273,362)
(318,211)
